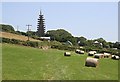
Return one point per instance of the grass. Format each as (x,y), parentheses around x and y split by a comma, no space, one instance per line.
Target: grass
(0,62)
(15,36)
(25,63)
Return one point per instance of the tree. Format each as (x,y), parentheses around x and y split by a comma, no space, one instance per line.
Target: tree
(7,28)
(111,44)
(60,35)
(100,40)
(103,42)
(73,40)
(31,33)
(89,42)
(116,45)
(82,41)
(21,33)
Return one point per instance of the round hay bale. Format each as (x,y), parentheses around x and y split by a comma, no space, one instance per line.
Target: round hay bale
(82,52)
(91,53)
(107,55)
(67,54)
(115,57)
(91,62)
(98,55)
(79,51)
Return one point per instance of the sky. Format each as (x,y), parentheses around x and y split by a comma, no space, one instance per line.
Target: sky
(89,19)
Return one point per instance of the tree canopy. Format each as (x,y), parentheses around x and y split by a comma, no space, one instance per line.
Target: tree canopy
(61,35)
(82,41)
(6,28)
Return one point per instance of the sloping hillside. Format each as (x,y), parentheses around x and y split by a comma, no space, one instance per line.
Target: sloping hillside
(15,36)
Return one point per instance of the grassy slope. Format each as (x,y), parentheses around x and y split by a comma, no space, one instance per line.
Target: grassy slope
(0,62)
(15,36)
(23,63)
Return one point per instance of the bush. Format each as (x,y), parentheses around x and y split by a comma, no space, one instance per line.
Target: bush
(44,43)
(5,40)
(55,43)
(31,43)
(60,47)
(63,47)
(21,33)
(15,41)
(12,41)
(0,40)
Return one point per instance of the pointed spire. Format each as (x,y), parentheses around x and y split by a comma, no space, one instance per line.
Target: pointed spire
(40,12)
(41,26)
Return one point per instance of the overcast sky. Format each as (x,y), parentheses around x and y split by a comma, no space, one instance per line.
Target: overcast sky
(89,19)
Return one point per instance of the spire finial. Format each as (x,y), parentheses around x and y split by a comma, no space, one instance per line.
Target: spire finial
(40,12)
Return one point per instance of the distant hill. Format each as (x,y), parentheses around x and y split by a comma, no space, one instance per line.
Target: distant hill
(15,36)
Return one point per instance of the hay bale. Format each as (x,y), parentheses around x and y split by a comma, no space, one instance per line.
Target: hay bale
(82,52)
(107,55)
(91,62)
(67,54)
(98,55)
(79,51)
(91,53)
(115,57)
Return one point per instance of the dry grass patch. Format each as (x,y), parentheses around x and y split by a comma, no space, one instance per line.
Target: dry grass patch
(15,36)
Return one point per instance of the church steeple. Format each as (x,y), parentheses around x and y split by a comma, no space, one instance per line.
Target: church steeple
(41,26)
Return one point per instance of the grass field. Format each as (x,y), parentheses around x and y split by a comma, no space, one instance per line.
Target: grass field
(25,63)
(15,36)
(0,62)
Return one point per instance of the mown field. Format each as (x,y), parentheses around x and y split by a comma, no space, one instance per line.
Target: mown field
(0,62)
(26,63)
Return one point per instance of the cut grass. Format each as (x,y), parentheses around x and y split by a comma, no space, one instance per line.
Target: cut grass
(24,63)
(0,62)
